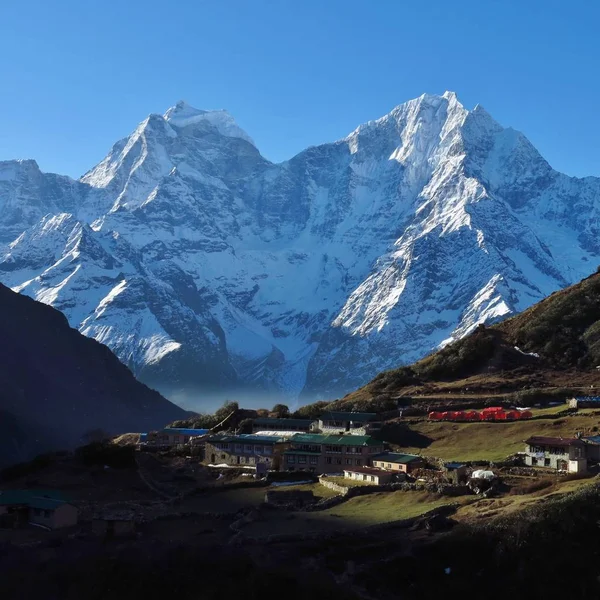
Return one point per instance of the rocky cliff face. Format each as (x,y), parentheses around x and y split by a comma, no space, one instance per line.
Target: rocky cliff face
(206,267)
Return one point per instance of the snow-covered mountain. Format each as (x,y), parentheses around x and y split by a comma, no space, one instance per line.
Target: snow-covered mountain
(205,267)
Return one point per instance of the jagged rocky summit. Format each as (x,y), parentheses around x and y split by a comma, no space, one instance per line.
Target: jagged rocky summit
(206,267)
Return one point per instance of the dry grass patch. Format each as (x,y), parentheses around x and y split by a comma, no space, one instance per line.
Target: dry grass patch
(493,441)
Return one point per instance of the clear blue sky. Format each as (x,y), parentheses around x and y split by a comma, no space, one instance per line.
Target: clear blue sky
(77,75)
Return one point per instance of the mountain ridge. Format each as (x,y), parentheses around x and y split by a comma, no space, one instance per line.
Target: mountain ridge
(307,277)
(57,385)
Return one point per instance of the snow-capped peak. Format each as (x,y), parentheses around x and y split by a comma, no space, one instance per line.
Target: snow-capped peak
(204,266)
(183,114)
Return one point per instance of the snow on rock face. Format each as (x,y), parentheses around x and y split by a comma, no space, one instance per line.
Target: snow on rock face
(204,266)
(183,115)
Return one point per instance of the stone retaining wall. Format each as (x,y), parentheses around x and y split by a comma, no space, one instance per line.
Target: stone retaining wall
(445,489)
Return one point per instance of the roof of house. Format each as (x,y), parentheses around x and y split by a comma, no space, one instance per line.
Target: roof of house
(335,440)
(245,438)
(367,471)
(356,417)
(33,498)
(184,431)
(594,439)
(281,434)
(453,465)
(283,422)
(587,398)
(396,457)
(553,441)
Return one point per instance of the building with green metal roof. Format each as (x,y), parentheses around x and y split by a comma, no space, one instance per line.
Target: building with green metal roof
(38,507)
(396,461)
(323,453)
(245,450)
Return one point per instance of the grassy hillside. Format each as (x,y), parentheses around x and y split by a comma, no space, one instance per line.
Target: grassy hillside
(491,441)
(563,331)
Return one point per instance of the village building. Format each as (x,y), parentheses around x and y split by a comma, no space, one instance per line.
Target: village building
(455,472)
(395,461)
(171,437)
(245,450)
(318,453)
(19,508)
(584,402)
(563,454)
(263,424)
(369,474)
(356,423)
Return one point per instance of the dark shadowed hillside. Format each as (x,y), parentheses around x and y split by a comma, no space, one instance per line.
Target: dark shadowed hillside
(553,345)
(56,385)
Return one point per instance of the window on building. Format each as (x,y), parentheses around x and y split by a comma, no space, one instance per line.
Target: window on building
(291,459)
(223,456)
(358,462)
(389,465)
(47,514)
(348,461)
(314,460)
(268,450)
(328,460)
(338,461)
(258,449)
(334,449)
(302,459)
(176,439)
(248,448)
(546,462)
(239,447)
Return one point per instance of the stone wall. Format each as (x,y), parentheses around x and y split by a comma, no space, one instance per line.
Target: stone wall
(444,489)
(340,489)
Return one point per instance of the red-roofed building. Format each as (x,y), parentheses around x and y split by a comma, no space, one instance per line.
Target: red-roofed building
(563,454)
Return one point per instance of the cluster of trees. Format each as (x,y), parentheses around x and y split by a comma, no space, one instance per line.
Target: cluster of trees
(231,416)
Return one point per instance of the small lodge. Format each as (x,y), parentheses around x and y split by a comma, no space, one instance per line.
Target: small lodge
(356,423)
(19,508)
(395,461)
(374,476)
(584,402)
(245,450)
(455,472)
(562,454)
(171,437)
(264,424)
(319,453)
